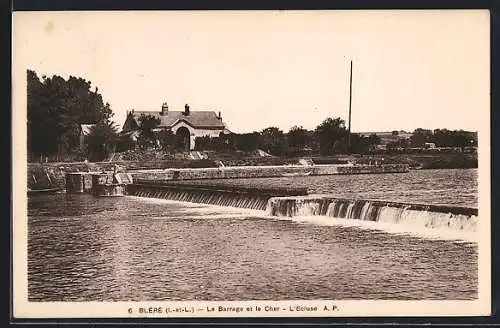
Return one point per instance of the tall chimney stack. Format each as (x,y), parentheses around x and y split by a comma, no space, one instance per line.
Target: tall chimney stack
(220,116)
(186,110)
(164,109)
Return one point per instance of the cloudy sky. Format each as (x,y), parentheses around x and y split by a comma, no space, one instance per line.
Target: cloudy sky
(277,68)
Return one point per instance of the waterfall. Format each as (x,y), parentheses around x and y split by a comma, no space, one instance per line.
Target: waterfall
(214,197)
(411,215)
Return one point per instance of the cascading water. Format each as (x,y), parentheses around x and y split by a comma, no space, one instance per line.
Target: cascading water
(192,195)
(411,215)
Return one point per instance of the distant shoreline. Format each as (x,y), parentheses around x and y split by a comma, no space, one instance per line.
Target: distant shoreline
(422,161)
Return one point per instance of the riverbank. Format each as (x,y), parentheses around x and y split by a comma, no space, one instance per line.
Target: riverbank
(420,161)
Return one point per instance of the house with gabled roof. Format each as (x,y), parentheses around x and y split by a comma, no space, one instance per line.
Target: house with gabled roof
(186,125)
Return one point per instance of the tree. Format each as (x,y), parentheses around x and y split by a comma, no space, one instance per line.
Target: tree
(147,125)
(331,135)
(247,141)
(462,140)
(56,108)
(102,140)
(125,142)
(419,137)
(167,140)
(298,137)
(273,140)
(226,141)
(374,139)
(39,143)
(447,138)
(362,144)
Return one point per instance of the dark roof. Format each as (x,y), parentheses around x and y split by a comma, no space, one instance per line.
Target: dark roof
(198,119)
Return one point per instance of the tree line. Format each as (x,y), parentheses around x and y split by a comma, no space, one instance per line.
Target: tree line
(442,138)
(330,137)
(57,107)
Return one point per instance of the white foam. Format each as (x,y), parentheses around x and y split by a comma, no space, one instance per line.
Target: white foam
(394,228)
(207,211)
(202,209)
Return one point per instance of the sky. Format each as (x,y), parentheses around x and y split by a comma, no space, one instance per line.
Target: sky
(411,69)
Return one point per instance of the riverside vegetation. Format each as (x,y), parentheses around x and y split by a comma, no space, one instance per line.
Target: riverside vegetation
(57,107)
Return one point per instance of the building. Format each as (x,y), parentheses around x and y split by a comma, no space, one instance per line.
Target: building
(84,133)
(186,125)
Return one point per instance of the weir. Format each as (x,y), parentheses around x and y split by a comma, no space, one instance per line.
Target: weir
(416,215)
(293,202)
(279,201)
(221,195)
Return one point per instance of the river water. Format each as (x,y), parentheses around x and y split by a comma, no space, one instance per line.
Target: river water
(82,248)
(450,187)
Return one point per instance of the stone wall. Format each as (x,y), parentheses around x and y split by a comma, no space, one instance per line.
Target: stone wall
(49,176)
(262,172)
(82,182)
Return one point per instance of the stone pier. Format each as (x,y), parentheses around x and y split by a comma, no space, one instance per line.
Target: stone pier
(78,182)
(110,184)
(97,183)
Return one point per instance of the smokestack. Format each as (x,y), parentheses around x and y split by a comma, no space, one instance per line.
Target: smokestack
(164,109)
(220,116)
(186,110)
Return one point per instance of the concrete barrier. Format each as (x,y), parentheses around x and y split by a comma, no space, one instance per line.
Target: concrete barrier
(245,172)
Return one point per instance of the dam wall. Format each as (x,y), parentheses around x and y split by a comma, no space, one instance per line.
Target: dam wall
(245,172)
